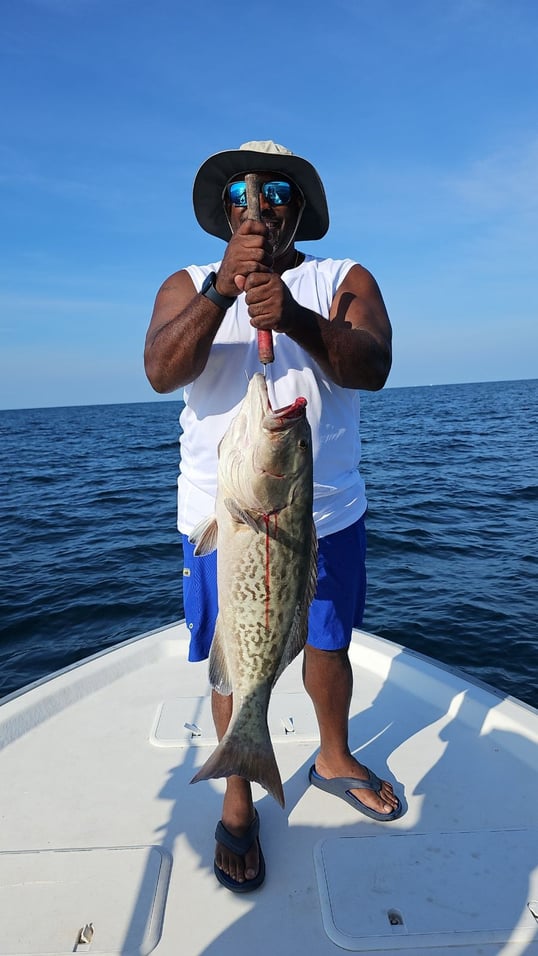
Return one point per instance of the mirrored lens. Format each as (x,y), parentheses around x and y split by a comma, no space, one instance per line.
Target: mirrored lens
(277,193)
(238,194)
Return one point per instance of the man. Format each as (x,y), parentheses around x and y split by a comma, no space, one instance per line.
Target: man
(331,336)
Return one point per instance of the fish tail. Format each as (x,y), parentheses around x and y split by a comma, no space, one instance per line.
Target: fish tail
(256,763)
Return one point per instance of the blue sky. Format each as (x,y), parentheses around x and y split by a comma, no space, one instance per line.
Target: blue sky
(421,117)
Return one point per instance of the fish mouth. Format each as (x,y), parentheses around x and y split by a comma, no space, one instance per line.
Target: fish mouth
(278,418)
(285,417)
(295,410)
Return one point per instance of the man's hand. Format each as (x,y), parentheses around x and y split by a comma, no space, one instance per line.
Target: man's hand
(269,301)
(248,251)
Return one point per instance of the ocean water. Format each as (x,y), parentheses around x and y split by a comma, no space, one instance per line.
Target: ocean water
(91,557)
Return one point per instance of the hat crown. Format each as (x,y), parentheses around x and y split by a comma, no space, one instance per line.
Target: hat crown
(266,146)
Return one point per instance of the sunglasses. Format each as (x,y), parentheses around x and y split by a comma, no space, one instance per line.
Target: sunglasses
(276,193)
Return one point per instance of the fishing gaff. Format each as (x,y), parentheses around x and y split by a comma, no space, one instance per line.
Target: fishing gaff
(265,336)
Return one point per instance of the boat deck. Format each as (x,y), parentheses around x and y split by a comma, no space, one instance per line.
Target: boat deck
(100,825)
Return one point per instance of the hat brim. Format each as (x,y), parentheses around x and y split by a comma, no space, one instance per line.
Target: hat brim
(216,172)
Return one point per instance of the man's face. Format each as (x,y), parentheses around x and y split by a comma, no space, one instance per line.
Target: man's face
(281,220)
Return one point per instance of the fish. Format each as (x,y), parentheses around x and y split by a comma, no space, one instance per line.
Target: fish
(264,533)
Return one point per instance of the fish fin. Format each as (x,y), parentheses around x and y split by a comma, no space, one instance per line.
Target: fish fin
(204,536)
(219,674)
(257,763)
(299,628)
(241,514)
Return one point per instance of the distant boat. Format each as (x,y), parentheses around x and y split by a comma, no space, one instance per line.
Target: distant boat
(105,848)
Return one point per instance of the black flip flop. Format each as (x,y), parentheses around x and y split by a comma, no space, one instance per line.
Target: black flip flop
(341,786)
(240,845)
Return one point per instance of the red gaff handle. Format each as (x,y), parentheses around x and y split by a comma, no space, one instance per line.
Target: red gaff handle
(265,336)
(265,346)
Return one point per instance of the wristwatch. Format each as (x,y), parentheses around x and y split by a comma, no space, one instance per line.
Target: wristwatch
(208,289)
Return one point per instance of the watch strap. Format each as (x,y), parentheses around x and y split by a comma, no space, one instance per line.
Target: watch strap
(210,292)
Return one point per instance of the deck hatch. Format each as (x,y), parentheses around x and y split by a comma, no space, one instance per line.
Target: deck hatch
(54,897)
(412,891)
(187,721)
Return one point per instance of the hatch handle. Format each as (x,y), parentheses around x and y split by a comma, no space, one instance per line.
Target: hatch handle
(84,936)
(194,729)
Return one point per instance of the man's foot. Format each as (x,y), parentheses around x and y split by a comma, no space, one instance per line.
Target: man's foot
(238,849)
(238,856)
(384,802)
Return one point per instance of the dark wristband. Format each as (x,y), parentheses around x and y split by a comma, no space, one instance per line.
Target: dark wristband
(208,289)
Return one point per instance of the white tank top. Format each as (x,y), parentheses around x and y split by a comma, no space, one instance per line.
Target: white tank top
(213,399)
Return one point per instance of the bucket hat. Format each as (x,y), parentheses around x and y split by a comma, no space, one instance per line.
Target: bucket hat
(258,156)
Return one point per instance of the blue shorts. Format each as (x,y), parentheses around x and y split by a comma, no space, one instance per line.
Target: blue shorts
(338,605)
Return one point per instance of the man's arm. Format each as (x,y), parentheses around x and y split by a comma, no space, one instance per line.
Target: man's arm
(180,334)
(354,348)
(184,323)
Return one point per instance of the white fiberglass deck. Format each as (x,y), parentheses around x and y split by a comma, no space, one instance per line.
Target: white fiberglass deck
(101,830)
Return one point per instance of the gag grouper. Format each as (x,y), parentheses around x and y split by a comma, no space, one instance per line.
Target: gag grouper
(266,571)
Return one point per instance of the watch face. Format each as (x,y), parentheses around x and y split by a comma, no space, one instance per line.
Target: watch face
(208,289)
(208,282)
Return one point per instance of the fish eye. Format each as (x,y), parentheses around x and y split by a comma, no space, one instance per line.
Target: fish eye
(303,443)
